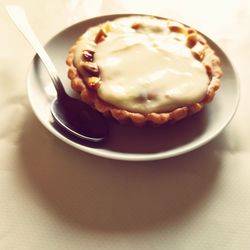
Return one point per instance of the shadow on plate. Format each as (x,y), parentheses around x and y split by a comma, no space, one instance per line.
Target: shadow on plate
(130,139)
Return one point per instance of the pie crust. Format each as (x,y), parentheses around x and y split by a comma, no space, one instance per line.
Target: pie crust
(87,87)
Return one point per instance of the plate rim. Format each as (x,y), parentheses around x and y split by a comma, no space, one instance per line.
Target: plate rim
(123,155)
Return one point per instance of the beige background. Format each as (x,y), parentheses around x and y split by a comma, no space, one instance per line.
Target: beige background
(53,196)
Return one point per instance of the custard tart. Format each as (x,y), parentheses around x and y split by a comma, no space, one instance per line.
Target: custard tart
(144,69)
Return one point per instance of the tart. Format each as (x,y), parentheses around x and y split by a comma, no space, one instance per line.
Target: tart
(144,69)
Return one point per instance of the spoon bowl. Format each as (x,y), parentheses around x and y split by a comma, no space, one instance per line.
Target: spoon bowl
(79,119)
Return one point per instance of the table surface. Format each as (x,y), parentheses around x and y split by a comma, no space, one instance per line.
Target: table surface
(56,197)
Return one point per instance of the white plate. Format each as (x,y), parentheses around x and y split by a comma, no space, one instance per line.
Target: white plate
(127,142)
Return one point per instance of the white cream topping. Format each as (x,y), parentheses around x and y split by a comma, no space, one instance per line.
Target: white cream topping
(149,69)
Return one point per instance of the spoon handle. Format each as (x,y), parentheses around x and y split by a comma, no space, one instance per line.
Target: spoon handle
(18,16)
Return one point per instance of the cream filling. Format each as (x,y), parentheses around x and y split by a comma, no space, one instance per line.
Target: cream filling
(149,70)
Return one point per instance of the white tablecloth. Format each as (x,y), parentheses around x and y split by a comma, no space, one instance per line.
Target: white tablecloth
(53,196)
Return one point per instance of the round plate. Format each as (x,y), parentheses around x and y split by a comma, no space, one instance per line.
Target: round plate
(125,141)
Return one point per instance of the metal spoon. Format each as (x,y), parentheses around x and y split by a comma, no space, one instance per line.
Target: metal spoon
(71,114)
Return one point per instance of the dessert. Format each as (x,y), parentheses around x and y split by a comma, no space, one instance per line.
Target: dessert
(144,69)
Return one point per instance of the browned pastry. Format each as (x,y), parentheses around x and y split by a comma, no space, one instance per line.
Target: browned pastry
(90,71)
